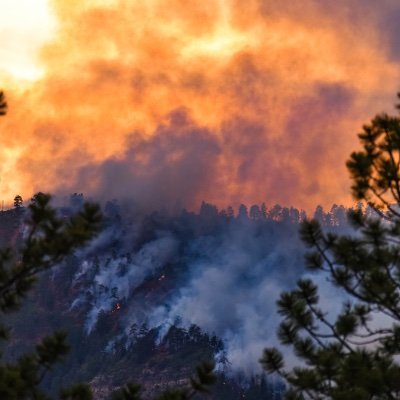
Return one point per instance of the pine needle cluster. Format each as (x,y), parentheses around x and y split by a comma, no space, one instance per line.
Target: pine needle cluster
(352,355)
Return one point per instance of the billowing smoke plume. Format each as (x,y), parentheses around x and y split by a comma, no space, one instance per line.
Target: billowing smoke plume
(233,288)
(216,271)
(170,167)
(273,96)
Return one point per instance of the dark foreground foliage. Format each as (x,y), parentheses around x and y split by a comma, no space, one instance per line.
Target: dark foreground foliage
(351,355)
(47,240)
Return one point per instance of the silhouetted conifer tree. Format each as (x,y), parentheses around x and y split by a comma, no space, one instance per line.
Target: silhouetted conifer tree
(255,212)
(242,212)
(18,202)
(354,354)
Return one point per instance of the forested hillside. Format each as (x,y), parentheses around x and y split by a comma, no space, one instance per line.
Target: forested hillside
(154,295)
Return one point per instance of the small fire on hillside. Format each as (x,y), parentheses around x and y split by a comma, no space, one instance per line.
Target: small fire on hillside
(116,308)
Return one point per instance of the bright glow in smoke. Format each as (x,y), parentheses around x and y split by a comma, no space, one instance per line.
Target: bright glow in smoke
(24,26)
(281,91)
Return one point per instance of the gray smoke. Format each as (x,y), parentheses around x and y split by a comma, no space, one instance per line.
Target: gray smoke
(229,278)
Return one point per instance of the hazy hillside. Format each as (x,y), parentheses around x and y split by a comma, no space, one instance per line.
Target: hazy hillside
(154,295)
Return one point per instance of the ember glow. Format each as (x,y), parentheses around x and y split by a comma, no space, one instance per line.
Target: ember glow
(165,101)
(116,308)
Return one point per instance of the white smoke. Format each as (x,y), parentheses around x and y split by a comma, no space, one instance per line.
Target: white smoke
(226,281)
(112,285)
(232,293)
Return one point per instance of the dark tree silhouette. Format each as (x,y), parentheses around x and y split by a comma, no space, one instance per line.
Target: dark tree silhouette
(255,212)
(242,212)
(352,355)
(3,104)
(48,241)
(18,202)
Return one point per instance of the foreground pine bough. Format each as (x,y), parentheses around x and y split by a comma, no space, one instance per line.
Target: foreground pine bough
(352,355)
(48,239)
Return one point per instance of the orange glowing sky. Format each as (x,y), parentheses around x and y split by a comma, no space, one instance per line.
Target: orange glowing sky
(219,100)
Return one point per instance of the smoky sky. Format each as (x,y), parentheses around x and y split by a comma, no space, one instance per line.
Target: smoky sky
(217,101)
(183,163)
(168,167)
